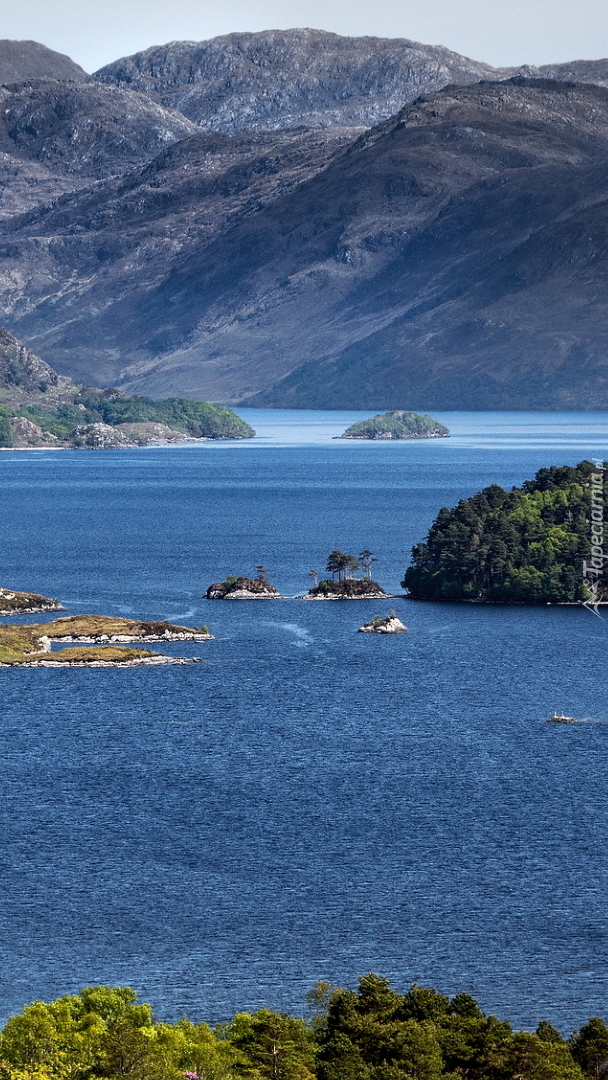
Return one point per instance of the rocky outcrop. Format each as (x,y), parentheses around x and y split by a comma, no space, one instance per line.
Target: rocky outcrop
(242,588)
(390,624)
(24,376)
(31,645)
(99,437)
(149,433)
(25,433)
(146,660)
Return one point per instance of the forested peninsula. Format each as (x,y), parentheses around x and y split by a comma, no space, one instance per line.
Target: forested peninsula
(374,1033)
(531,544)
(40,408)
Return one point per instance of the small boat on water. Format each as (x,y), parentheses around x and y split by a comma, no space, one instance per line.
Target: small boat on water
(559,718)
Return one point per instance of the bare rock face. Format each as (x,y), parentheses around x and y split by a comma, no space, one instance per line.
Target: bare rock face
(31,60)
(26,433)
(289,78)
(100,437)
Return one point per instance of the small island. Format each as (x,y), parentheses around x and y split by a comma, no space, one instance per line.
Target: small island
(31,645)
(397,424)
(529,545)
(390,624)
(244,588)
(23,603)
(345,584)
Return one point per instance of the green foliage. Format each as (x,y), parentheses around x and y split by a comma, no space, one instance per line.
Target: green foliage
(396,425)
(196,418)
(525,545)
(589,1048)
(6,435)
(104,1033)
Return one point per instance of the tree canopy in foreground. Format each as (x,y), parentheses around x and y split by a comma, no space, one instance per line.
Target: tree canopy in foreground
(525,545)
(374,1033)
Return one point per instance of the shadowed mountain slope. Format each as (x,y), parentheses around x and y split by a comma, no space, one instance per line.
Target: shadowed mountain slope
(453,256)
(56,136)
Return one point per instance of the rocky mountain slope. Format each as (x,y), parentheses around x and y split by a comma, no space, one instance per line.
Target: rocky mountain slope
(454,255)
(31,60)
(24,377)
(289,78)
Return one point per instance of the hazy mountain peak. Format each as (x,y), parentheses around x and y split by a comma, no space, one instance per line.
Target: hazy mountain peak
(31,60)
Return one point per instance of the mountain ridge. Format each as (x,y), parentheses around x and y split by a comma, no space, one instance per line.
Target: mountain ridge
(453,252)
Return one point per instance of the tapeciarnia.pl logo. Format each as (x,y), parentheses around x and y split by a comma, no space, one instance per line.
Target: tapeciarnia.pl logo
(593,571)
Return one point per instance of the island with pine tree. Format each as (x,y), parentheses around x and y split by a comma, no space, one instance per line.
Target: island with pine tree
(346,582)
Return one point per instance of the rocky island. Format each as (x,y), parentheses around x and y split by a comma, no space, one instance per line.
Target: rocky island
(397,424)
(23,603)
(31,645)
(244,588)
(41,409)
(390,624)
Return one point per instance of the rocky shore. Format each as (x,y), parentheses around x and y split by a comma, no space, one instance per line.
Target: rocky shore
(347,589)
(153,659)
(106,642)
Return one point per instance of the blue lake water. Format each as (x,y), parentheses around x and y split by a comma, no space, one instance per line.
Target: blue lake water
(309,803)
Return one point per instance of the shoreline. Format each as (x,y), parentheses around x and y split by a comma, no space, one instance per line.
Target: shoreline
(147,661)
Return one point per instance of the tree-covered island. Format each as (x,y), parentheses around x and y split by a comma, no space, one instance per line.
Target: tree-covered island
(372,1033)
(528,545)
(397,424)
(346,582)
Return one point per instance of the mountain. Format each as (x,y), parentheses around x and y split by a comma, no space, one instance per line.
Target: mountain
(290,78)
(120,238)
(58,136)
(455,255)
(40,408)
(29,60)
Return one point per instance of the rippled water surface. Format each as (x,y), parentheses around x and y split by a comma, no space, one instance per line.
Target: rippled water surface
(309,803)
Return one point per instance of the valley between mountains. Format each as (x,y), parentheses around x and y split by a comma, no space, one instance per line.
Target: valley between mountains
(295,219)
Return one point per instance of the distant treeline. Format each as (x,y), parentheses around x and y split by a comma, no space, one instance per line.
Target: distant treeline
(372,1034)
